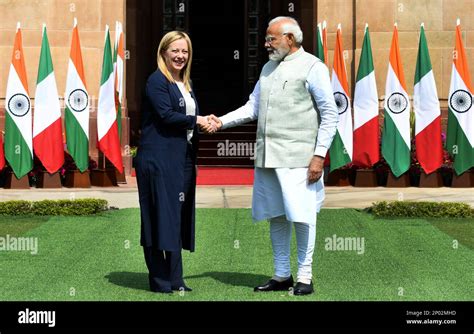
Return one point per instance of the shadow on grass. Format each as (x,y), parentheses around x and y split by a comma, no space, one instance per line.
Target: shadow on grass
(19,225)
(460,229)
(234,278)
(139,281)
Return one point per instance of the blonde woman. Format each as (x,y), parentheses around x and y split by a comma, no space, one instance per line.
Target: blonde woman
(166,161)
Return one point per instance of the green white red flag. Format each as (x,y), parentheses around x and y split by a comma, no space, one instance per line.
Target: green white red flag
(429,146)
(366,110)
(47,125)
(107,128)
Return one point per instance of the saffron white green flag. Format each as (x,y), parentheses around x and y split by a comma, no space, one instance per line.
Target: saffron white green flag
(396,131)
(460,136)
(18,115)
(77,106)
(119,60)
(341,147)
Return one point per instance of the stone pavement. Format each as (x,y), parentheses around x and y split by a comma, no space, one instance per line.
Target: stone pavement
(126,196)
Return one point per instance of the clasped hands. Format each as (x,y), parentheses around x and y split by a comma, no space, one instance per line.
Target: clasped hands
(209,124)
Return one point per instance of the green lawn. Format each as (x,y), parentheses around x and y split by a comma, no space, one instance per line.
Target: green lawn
(100,258)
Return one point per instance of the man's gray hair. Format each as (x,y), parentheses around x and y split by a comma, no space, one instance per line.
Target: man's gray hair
(291,26)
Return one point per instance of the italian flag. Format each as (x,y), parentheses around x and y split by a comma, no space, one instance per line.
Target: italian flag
(429,148)
(341,147)
(460,136)
(47,126)
(76,100)
(396,131)
(119,57)
(18,117)
(107,128)
(366,110)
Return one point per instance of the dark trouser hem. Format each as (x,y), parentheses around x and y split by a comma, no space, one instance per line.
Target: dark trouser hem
(165,269)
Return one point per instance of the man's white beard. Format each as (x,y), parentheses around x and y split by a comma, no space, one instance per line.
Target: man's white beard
(278,54)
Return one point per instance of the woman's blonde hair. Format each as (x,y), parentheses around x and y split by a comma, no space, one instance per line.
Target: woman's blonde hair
(164,45)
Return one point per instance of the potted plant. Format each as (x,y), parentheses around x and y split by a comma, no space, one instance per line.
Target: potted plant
(133,154)
(415,169)
(446,170)
(72,177)
(382,169)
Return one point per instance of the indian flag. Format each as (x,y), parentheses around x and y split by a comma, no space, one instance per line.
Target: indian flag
(325,43)
(366,109)
(460,136)
(341,148)
(319,43)
(76,100)
(429,148)
(396,131)
(107,129)
(47,126)
(18,117)
(2,154)
(119,57)
(322,54)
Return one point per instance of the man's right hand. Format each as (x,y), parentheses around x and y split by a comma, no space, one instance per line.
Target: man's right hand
(205,124)
(216,122)
(315,169)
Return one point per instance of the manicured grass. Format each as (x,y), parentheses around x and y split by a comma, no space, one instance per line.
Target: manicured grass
(100,258)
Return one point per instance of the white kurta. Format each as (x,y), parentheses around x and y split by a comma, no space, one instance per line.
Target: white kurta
(285,191)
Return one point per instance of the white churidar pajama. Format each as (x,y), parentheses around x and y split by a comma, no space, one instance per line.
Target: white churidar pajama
(282,195)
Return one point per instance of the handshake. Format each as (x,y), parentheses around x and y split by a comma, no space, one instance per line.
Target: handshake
(209,124)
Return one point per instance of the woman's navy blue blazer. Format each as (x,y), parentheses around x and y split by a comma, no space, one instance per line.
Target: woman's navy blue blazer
(167,218)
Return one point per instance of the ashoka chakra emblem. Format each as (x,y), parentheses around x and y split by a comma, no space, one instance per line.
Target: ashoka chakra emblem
(460,101)
(342,102)
(78,100)
(397,103)
(19,105)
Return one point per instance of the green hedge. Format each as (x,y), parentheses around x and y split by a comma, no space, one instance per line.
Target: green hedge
(78,207)
(421,209)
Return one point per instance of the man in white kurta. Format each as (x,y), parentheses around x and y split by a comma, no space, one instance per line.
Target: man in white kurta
(297,119)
